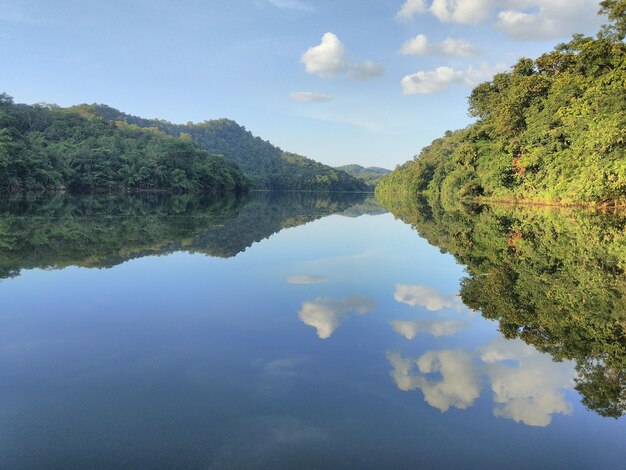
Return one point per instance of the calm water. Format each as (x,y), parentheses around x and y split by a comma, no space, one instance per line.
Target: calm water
(300,331)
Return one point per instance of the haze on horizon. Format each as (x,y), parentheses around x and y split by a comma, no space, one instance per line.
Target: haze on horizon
(368,82)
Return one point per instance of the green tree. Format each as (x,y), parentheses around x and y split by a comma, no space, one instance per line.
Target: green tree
(549,130)
(49,148)
(616,12)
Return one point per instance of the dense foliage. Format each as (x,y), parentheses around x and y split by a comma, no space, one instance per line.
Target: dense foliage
(552,129)
(265,164)
(555,279)
(50,148)
(370,175)
(103,230)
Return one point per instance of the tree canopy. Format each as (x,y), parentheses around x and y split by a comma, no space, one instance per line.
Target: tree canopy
(616,12)
(551,130)
(45,147)
(266,165)
(370,176)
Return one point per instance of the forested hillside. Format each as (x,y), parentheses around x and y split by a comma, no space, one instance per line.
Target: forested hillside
(266,165)
(552,130)
(45,147)
(370,176)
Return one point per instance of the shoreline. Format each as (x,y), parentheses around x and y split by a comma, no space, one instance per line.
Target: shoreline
(525,202)
(548,204)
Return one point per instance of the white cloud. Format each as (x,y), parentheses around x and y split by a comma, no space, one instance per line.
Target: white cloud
(530,392)
(457,47)
(459,386)
(291,5)
(419,45)
(326,315)
(427,83)
(462,11)
(548,19)
(416,46)
(520,19)
(442,78)
(329,59)
(410,8)
(309,97)
(437,328)
(427,297)
(449,11)
(307,280)
(483,73)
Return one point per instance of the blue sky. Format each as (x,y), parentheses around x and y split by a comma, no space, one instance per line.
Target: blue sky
(341,81)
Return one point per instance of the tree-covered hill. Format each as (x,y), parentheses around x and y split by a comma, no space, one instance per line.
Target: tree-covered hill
(45,147)
(552,130)
(370,176)
(266,165)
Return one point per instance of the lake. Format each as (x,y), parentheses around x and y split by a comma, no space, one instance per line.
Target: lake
(309,331)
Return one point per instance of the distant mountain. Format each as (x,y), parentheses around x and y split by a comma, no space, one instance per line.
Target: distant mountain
(266,165)
(370,176)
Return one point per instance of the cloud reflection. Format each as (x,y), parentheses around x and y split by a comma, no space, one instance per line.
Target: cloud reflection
(307,280)
(326,315)
(259,441)
(283,367)
(437,328)
(527,386)
(458,387)
(531,392)
(427,297)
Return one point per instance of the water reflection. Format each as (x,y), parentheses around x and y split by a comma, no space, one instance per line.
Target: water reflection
(106,230)
(326,315)
(436,328)
(196,361)
(427,297)
(526,386)
(307,280)
(259,441)
(283,367)
(459,385)
(552,278)
(531,390)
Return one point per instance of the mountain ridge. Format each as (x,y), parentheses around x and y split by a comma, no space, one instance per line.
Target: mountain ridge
(49,148)
(268,166)
(369,175)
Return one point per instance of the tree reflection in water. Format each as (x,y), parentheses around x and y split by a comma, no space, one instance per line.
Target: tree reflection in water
(554,278)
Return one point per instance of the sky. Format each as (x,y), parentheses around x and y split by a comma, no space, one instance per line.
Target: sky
(341,81)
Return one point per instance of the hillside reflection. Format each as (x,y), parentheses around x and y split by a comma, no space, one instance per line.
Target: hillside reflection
(554,279)
(106,230)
